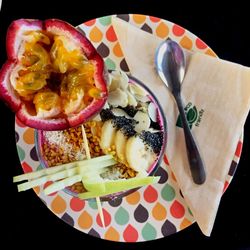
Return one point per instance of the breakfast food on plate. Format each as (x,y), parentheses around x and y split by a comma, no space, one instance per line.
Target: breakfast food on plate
(125,142)
(54,78)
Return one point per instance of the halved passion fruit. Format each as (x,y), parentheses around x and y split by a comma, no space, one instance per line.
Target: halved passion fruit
(54,78)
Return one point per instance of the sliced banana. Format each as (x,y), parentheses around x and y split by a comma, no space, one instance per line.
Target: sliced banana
(139,157)
(119,79)
(142,98)
(137,90)
(152,112)
(120,112)
(120,145)
(117,98)
(131,99)
(143,121)
(107,136)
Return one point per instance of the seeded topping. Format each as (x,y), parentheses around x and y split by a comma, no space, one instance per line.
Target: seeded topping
(128,130)
(130,110)
(153,140)
(155,125)
(106,114)
(121,121)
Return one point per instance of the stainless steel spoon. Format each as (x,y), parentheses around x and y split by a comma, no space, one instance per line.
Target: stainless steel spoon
(170,65)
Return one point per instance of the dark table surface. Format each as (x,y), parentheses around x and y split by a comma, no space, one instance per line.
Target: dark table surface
(24,220)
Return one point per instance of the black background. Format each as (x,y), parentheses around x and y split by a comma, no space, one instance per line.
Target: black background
(25,221)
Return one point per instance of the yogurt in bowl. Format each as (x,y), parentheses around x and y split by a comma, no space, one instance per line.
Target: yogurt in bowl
(131,127)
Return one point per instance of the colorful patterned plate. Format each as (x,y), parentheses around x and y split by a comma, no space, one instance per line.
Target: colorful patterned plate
(151,212)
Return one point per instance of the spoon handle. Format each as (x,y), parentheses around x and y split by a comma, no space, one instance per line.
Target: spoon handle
(195,161)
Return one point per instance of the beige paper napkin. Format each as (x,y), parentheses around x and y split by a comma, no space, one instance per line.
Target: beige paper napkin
(220,91)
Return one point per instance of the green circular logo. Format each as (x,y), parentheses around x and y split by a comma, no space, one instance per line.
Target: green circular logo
(192,114)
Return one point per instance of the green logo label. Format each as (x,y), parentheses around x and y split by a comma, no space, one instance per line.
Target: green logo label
(193,116)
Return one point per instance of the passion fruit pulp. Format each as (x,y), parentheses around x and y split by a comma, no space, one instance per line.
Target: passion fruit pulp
(54,77)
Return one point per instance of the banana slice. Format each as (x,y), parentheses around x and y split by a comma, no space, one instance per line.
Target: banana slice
(138,155)
(107,136)
(120,145)
(143,121)
(117,98)
(139,93)
(131,99)
(119,79)
(120,112)
(152,111)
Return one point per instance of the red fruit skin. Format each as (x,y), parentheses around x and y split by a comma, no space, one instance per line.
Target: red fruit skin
(35,122)
(14,34)
(57,27)
(60,27)
(7,93)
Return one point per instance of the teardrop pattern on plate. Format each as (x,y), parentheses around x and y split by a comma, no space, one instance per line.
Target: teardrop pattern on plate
(103,50)
(168,192)
(110,34)
(112,234)
(68,219)
(159,212)
(168,228)
(148,232)
(106,216)
(33,154)
(121,216)
(76,204)
(16,136)
(177,210)
(85,220)
(124,66)
(147,28)
(93,232)
(163,175)
(150,194)
(141,214)
(115,202)
(58,205)
(130,234)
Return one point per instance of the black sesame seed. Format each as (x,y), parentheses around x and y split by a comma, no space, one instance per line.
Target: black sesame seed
(130,110)
(124,124)
(153,140)
(128,131)
(106,114)
(121,121)
(155,125)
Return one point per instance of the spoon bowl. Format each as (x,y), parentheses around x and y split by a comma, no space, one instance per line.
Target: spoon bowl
(170,64)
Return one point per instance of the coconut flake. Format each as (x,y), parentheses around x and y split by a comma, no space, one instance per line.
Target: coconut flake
(59,139)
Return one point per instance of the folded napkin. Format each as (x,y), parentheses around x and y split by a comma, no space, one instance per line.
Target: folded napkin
(220,92)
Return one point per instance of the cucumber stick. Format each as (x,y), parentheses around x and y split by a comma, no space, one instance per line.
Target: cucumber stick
(42,172)
(59,185)
(55,169)
(42,180)
(110,187)
(88,168)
